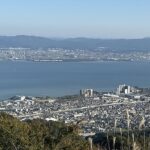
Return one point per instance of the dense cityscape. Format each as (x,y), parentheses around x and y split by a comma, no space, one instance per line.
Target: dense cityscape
(60,54)
(94,111)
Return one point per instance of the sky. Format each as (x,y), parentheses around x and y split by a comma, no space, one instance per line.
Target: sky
(76,18)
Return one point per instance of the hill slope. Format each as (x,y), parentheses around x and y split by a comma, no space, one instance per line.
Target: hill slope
(38,135)
(42,135)
(75,43)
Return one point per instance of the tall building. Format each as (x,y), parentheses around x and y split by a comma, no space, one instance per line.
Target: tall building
(123,89)
(86,92)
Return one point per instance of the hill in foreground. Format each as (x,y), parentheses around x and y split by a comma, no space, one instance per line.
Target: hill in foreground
(38,135)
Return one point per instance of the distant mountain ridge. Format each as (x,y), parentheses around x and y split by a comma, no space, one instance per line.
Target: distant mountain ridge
(75,43)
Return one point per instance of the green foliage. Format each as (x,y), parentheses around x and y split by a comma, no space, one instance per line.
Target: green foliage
(72,142)
(38,135)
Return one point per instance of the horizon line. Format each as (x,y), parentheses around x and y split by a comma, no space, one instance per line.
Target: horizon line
(75,37)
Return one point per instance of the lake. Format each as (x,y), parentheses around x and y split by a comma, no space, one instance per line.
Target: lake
(66,78)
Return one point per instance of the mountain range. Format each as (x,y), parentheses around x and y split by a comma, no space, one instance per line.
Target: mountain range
(35,42)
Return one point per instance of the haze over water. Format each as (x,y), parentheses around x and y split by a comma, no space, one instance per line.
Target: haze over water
(66,78)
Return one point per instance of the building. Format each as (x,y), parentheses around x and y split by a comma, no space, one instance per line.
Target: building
(123,89)
(86,92)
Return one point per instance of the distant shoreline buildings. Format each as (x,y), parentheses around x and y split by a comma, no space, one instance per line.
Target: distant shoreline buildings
(126,89)
(86,92)
(70,55)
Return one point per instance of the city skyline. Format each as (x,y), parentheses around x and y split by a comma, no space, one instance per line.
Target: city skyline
(94,19)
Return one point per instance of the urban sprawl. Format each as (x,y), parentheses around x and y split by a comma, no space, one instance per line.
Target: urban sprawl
(60,54)
(93,111)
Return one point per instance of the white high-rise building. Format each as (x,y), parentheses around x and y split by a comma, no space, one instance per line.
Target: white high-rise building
(123,89)
(86,92)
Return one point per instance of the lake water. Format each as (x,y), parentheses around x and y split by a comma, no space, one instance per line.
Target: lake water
(65,78)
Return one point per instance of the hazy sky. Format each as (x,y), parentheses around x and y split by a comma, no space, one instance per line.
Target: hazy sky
(76,18)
